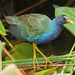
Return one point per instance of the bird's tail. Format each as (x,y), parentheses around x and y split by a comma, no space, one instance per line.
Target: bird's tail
(12,20)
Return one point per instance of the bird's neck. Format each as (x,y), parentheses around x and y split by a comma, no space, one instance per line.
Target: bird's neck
(56,26)
(56,20)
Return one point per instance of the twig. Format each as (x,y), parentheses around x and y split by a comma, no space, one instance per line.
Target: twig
(5,50)
(51,65)
(69,2)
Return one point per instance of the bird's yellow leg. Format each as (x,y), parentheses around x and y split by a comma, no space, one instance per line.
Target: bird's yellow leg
(47,59)
(34,56)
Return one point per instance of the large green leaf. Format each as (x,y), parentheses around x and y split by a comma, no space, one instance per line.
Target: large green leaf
(22,51)
(70,13)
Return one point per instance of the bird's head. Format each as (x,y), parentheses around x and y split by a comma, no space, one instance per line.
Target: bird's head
(62,19)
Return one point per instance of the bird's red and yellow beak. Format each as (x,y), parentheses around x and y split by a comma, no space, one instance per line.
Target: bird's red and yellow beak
(69,21)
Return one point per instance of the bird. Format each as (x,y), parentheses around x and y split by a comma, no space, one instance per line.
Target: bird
(37,29)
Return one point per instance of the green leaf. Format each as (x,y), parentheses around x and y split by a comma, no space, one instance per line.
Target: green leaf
(1,46)
(22,51)
(70,13)
(2,29)
(46,72)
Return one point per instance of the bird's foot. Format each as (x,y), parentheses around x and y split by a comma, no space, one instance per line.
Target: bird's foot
(50,56)
(49,61)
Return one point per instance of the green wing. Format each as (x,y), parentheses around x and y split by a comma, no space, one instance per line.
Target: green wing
(35,24)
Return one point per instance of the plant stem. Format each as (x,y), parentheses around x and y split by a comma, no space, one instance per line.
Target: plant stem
(67,61)
(72,69)
(72,48)
(1,46)
(7,41)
